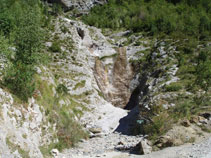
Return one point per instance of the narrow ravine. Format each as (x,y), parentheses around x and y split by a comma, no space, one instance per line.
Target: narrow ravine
(105,78)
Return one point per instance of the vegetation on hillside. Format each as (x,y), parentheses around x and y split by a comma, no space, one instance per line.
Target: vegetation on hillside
(154,16)
(21,26)
(192,91)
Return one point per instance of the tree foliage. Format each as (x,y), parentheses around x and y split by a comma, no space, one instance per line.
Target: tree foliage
(21,27)
(187,16)
(204,69)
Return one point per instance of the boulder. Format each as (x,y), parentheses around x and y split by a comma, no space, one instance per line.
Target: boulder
(202,120)
(95,130)
(55,152)
(143,147)
(164,141)
(194,119)
(186,123)
(114,79)
(206,115)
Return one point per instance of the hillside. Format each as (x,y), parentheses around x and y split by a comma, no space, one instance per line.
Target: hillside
(105,78)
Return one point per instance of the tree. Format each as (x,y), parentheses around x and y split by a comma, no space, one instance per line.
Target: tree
(204,69)
(27,37)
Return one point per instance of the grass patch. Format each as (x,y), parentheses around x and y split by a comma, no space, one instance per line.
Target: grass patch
(100,93)
(68,132)
(55,47)
(173,87)
(161,122)
(108,56)
(205,129)
(61,89)
(46,150)
(13,147)
(163,119)
(80,84)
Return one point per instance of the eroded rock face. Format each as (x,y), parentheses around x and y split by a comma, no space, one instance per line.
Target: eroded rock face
(76,70)
(81,5)
(114,80)
(155,74)
(21,128)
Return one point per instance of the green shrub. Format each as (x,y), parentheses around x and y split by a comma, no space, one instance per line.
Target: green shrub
(19,79)
(183,109)
(27,38)
(203,69)
(55,47)
(4,47)
(173,87)
(69,131)
(6,24)
(160,124)
(61,89)
(57,9)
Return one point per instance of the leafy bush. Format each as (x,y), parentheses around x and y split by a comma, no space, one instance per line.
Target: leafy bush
(19,79)
(57,9)
(173,87)
(203,69)
(4,47)
(6,24)
(69,131)
(61,89)
(160,124)
(27,38)
(55,47)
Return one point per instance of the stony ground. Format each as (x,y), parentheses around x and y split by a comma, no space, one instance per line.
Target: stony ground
(100,145)
(120,140)
(198,150)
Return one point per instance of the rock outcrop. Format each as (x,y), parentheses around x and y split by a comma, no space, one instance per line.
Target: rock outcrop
(26,126)
(144,147)
(114,80)
(81,5)
(84,48)
(21,128)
